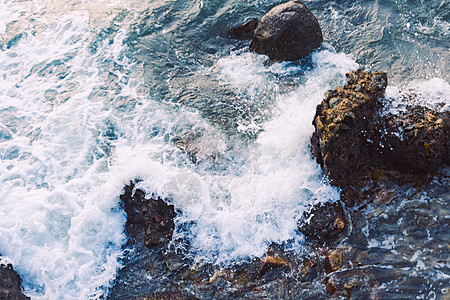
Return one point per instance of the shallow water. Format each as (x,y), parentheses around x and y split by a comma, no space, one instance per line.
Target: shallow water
(96,93)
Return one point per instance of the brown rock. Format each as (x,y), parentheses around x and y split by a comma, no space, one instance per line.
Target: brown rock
(417,135)
(10,284)
(221,274)
(355,145)
(148,219)
(343,122)
(270,263)
(334,260)
(331,287)
(324,224)
(243,32)
(287,32)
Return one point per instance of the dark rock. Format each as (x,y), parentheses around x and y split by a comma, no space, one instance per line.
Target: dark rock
(243,32)
(169,296)
(325,224)
(271,262)
(148,219)
(287,32)
(342,126)
(10,284)
(356,146)
(417,135)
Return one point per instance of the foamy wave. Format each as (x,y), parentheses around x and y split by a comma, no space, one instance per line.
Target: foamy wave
(60,224)
(433,93)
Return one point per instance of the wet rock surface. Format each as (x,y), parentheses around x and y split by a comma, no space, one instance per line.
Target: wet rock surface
(419,134)
(10,283)
(392,247)
(324,224)
(243,32)
(356,146)
(148,218)
(386,239)
(343,123)
(287,32)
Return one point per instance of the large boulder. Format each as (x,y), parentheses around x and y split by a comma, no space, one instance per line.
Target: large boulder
(243,32)
(287,32)
(343,122)
(353,142)
(10,283)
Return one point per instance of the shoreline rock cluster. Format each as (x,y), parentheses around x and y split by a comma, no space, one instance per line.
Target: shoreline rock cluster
(367,154)
(358,147)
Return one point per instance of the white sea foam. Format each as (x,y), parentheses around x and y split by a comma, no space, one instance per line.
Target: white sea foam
(59,224)
(433,93)
(239,215)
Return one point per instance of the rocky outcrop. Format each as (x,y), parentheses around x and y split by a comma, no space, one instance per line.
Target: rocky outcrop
(243,32)
(350,252)
(149,219)
(287,32)
(343,125)
(324,224)
(355,144)
(10,284)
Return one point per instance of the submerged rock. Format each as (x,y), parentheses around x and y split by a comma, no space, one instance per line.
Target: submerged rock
(271,262)
(169,296)
(355,144)
(148,218)
(10,284)
(374,250)
(287,32)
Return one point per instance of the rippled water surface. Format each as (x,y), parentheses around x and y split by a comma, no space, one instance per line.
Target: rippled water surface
(96,93)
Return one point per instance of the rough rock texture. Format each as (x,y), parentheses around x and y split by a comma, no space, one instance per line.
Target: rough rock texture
(148,218)
(169,296)
(355,144)
(10,284)
(243,32)
(417,140)
(325,224)
(287,32)
(343,122)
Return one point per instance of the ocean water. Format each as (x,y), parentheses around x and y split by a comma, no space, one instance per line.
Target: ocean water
(96,93)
